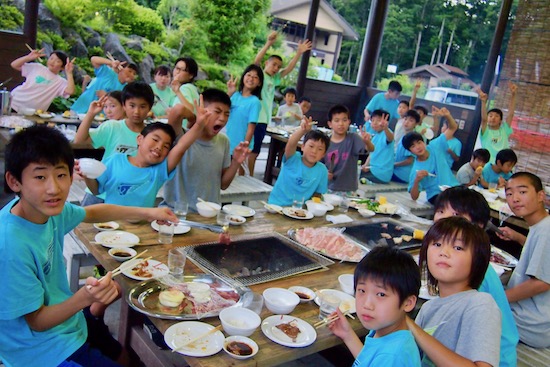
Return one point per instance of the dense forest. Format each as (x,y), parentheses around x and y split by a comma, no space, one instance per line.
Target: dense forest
(224,35)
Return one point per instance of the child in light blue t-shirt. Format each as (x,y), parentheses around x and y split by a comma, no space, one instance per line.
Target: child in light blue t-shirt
(404,159)
(303,175)
(387,283)
(41,320)
(500,171)
(245,106)
(378,166)
(430,170)
(110,75)
(135,180)
(164,95)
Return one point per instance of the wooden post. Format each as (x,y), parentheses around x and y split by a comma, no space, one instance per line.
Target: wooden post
(310,30)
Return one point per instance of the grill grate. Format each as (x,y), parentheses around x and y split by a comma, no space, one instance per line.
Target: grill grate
(254,259)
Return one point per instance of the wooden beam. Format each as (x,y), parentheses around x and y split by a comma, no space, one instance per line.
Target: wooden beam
(310,30)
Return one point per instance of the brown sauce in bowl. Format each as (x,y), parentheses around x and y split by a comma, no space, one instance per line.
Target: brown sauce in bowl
(239,348)
(302,295)
(121,254)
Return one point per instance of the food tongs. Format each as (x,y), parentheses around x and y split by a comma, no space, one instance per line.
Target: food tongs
(211,228)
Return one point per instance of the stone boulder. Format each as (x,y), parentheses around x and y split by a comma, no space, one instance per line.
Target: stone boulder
(47,21)
(113,45)
(78,48)
(94,39)
(146,67)
(135,43)
(48,48)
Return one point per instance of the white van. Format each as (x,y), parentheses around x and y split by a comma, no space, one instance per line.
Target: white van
(455,97)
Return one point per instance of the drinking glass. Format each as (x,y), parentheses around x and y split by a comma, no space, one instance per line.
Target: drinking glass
(298,202)
(166,232)
(180,209)
(344,204)
(327,305)
(222,218)
(176,262)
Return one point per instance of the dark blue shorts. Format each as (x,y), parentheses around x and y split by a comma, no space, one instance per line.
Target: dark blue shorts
(87,356)
(100,338)
(259,134)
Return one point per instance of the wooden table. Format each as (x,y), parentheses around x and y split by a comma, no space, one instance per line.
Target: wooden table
(275,157)
(270,354)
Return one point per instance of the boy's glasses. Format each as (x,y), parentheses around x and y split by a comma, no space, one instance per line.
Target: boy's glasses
(180,69)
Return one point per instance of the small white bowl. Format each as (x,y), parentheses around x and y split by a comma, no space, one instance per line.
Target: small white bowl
(107,226)
(305,294)
(366,213)
(273,209)
(45,115)
(28,111)
(236,220)
(117,251)
(239,321)
(240,339)
(92,168)
(316,209)
(346,283)
(332,199)
(280,301)
(208,209)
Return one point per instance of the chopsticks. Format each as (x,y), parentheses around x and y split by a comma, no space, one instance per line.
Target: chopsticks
(212,331)
(110,57)
(271,207)
(208,204)
(31,50)
(328,320)
(125,266)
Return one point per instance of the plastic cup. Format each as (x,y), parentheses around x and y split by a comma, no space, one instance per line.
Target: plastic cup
(166,233)
(180,209)
(176,262)
(255,303)
(344,205)
(298,202)
(492,187)
(327,305)
(222,218)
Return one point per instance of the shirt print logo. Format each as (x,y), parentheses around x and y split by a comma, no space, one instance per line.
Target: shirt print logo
(41,80)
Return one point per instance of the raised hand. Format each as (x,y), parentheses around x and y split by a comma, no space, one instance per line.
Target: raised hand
(385,121)
(366,114)
(175,85)
(482,95)
(306,124)
(418,84)
(365,136)
(202,114)
(272,37)
(304,46)
(231,85)
(97,106)
(241,152)
(69,66)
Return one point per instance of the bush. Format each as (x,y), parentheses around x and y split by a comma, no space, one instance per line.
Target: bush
(157,52)
(147,23)
(70,12)
(11,19)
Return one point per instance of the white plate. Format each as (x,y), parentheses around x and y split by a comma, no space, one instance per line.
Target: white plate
(12,122)
(346,301)
(179,229)
(183,332)
(100,119)
(236,220)
(107,226)
(306,336)
(241,210)
(289,212)
(112,239)
(512,261)
(154,267)
(323,203)
(45,115)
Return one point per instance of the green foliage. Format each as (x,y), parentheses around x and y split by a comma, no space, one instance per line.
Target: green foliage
(229,25)
(173,12)
(189,39)
(466,86)
(446,83)
(58,42)
(159,54)
(135,55)
(211,83)
(214,71)
(11,18)
(147,23)
(60,105)
(70,12)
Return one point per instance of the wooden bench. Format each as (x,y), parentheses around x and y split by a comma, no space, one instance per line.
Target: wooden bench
(244,189)
(76,255)
(533,357)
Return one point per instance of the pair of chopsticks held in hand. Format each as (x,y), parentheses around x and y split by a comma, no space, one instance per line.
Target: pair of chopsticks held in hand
(128,264)
(327,320)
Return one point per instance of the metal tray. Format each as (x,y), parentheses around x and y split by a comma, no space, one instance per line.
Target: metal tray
(370,234)
(364,249)
(144,297)
(254,259)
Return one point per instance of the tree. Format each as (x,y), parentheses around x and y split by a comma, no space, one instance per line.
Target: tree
(230,25)
(173,11)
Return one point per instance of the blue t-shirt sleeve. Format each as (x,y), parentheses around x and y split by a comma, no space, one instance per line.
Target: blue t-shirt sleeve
(254,111)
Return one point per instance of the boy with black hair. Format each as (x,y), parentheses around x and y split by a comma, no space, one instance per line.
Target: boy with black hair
(501,170)
(430,170)
(305,104)
(343,151)
(302,175)
(207,166)
(462,202)
(42,83)
(387,101)
(117,136)
(110,75)
(528,290)
(272,78)
(378,166)
(41,323)
(402,109)
(387,282)
(290,112)
(495,132)
(136,180)
(404,158)
(470,173)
